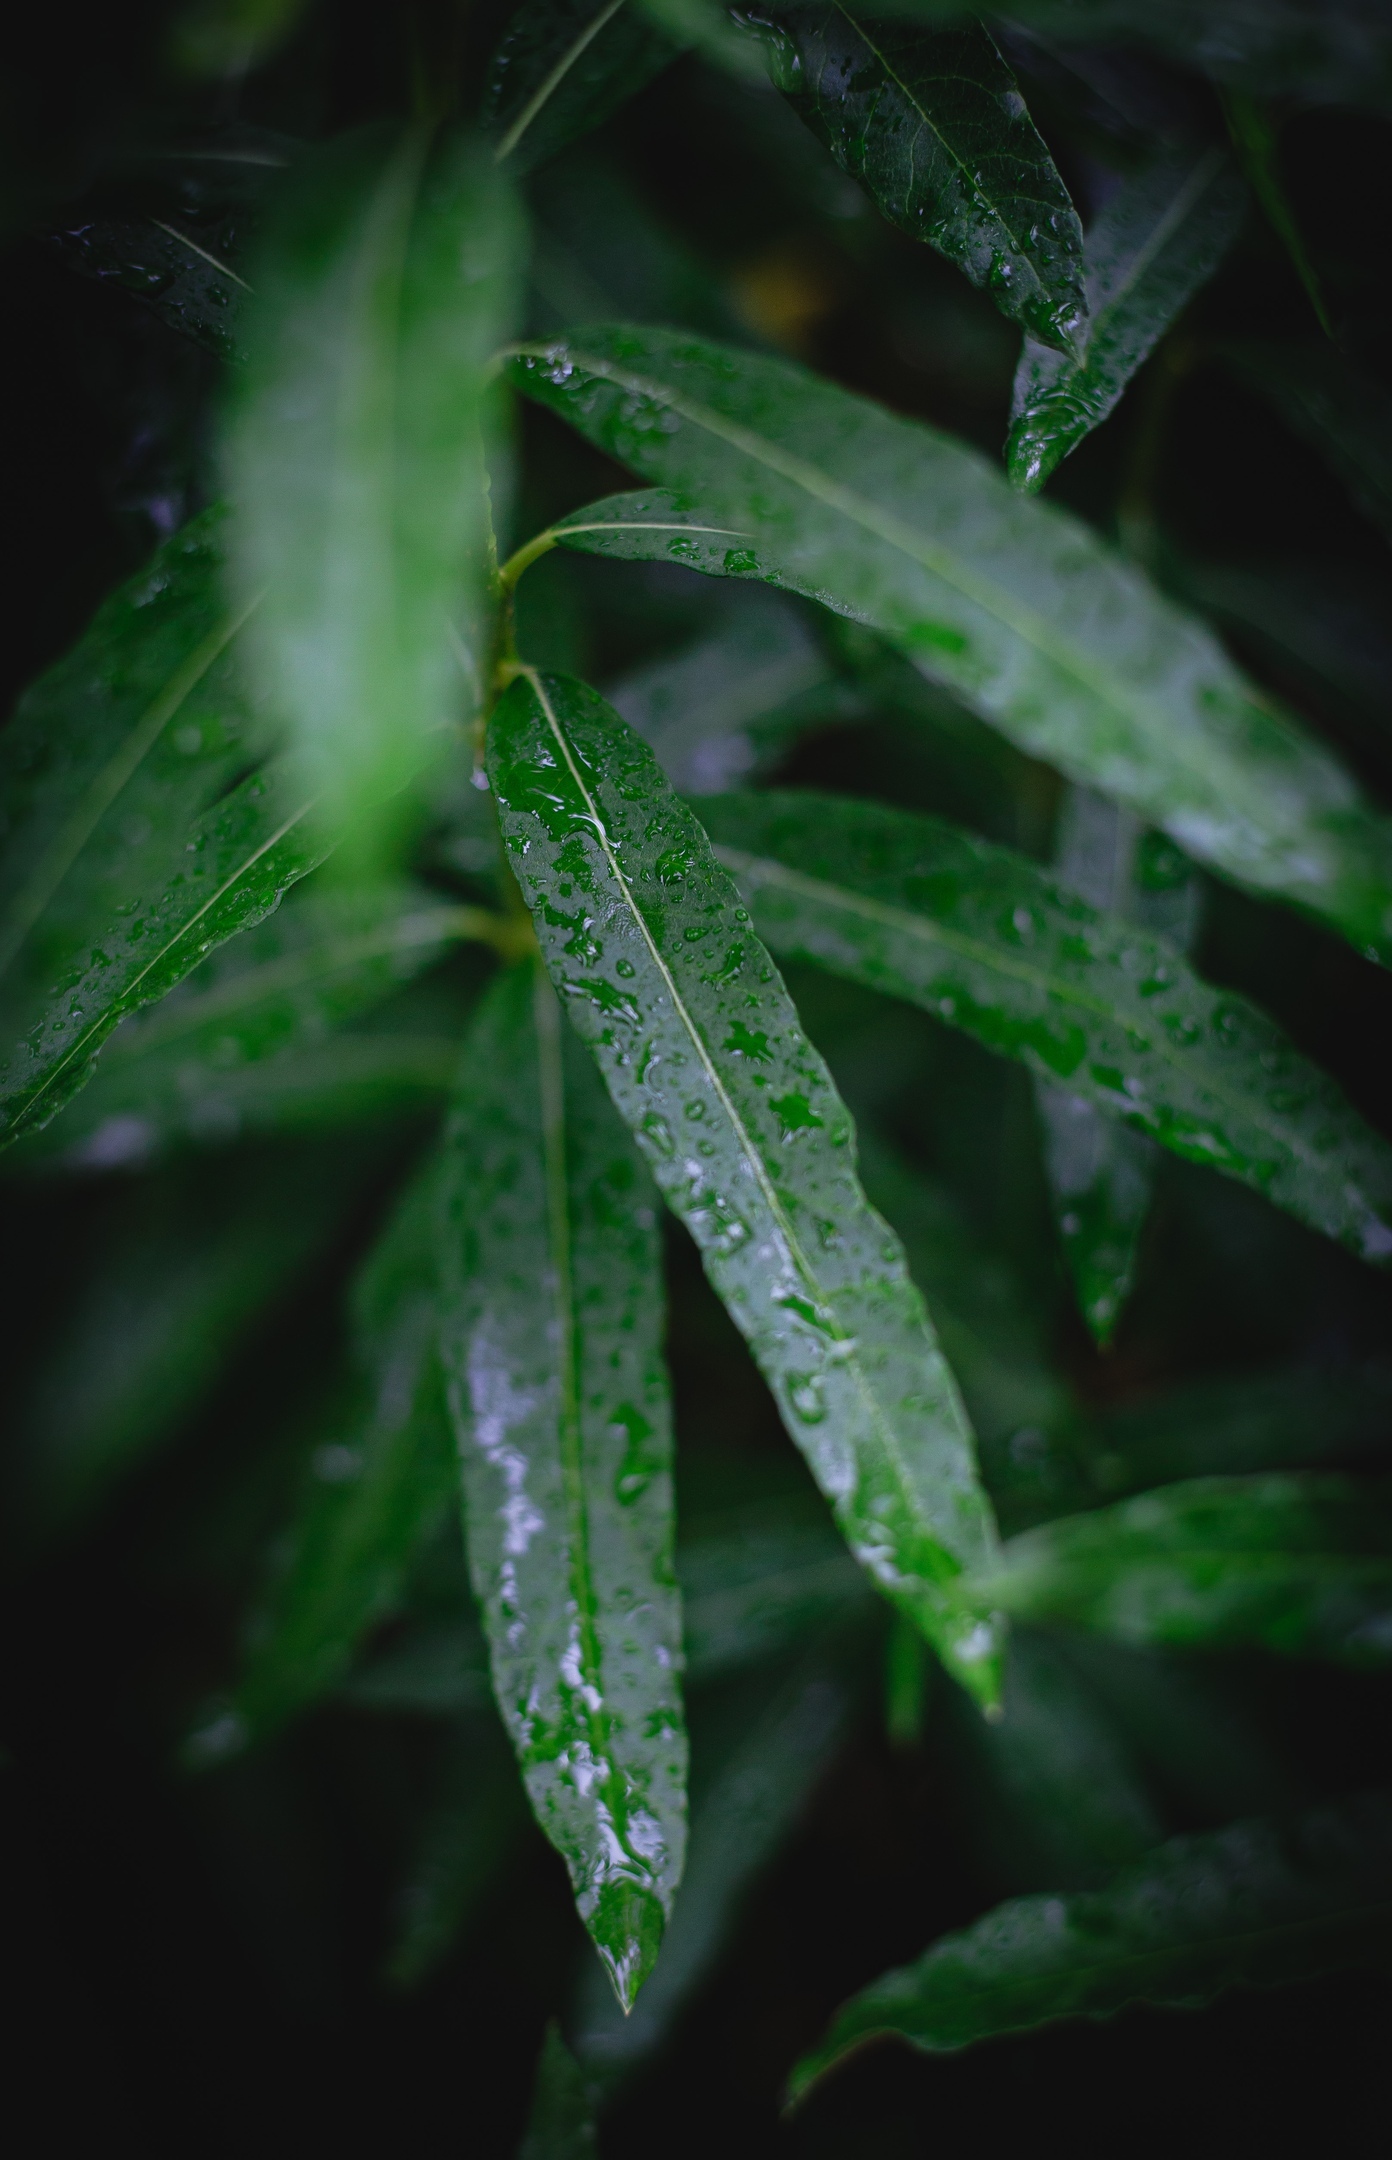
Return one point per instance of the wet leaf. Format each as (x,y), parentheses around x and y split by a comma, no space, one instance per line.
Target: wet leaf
(1301,1565)
(196,1067)
(1251,1905)
(383,284)
(1159,238)
(1016,606)
(758,1758)
(933,125)
(563,67)
(179,275)
(701,1049)
(562,1419)
(375,1491)
(995,946)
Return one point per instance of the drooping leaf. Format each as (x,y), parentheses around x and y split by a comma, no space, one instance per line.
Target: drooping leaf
(1334,405)
(552,1339)
(562,67)
(1301,1565)
(1018,607)
(374,1493)
(701,1049)
(993,945)
(561,2124)
(190,1267)
(281,988)
(1252,1905)
(1160,237)
(383,284)
(1101,1173)
(757,1758)
(933,125)
(179,277)
(1290,1418)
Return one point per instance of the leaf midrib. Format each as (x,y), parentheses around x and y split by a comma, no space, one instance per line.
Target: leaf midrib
(924,929)
(852,1362)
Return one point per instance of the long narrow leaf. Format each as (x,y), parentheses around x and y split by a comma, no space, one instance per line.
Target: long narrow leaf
(1161,237)
(382,287)
(934,126)
(1016,606)
(1250,1906)
(562,68)
(552,1334)
(994,946)
(1301,1565)
(701,1049)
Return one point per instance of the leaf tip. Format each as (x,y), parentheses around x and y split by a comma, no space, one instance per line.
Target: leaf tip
(626,1929)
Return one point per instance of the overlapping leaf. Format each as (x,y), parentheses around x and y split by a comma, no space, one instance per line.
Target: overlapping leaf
(1019,608)
(207,1064)
(1251,1905)
(701,1050)
(934,126)
(383,285)
(552,1338)
(1301,1565)
(993,945)
(1161,236)
(562,67)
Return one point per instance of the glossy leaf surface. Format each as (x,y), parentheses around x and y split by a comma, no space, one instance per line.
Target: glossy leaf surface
(1298,1565)
(701,1049)
(562,67)
(188,1070)
(376,1489)
(552,1338)
(993,945)
(1251,1905)
(383,285)
(1160,237)
(933,125)
(758,1758)
(1016,606)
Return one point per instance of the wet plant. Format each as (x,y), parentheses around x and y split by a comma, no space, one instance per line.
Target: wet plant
(694,927)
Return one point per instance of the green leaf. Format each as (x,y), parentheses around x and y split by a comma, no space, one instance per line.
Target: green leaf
(383,285)
(701,1049)
(758,1758)
(230,37)
(1301,1565)
(179,1072)
(562,1417)
(1336,407)
(1018,607)
(373,1494)
(561,2125)
(563,67)
(1252,1905)
(1160,237)
(178,275)
(992,945)
(1290,1418)
(190,1266)
(710,28)
(1100,1173)
(934,126)
(761,1588)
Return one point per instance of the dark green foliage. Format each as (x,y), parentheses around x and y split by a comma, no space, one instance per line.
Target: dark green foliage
(693,1095)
